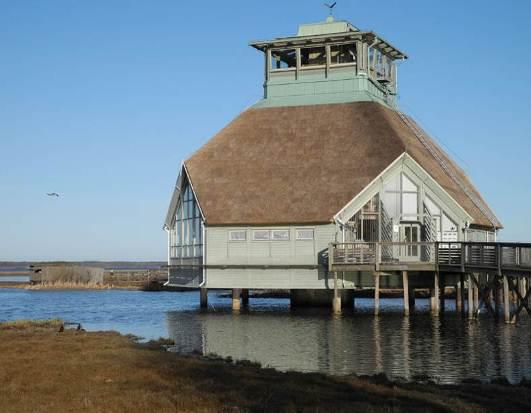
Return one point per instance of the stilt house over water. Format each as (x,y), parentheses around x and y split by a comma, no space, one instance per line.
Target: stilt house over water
(326,156)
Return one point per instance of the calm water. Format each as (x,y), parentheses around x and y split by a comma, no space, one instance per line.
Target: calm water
(445,348)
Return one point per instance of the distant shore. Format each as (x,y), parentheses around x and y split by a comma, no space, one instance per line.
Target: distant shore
(106,371)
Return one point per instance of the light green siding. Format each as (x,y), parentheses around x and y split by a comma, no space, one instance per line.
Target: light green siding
(222,252)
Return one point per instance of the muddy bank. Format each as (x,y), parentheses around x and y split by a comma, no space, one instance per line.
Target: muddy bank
(106,371)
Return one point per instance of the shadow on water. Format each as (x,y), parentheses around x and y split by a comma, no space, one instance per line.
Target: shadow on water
(445,349)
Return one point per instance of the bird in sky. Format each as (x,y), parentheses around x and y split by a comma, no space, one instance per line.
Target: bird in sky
(53,194)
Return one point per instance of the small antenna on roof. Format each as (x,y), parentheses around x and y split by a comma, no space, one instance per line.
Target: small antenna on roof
(331,7)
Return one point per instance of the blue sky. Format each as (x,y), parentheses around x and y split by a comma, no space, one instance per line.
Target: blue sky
(100,101)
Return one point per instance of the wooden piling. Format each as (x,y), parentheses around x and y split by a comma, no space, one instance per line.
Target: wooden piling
(436,294)
(463,295)
(405,285)
(203,297)
(245,297)
(236,293)
(442,292)
(470,300)
(376,293)
(506,302)
(476,297)
(336,301)
(458,297)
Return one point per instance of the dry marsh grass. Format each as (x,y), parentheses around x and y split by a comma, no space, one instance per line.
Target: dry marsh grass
(46,371)
(31,324)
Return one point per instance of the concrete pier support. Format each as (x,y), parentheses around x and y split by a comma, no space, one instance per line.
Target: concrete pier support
(376,293)
(236,293)
(320,298)
(203,297)
(405,286)
(245,297)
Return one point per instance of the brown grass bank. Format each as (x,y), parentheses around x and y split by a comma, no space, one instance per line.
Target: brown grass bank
(46,371)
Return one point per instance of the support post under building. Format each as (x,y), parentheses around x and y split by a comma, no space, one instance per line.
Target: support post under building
(203,297)
(405,285)
(336,301)
(236,293)
(376,293)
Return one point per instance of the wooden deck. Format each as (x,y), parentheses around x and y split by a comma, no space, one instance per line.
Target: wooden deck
(491,273)
(458,257)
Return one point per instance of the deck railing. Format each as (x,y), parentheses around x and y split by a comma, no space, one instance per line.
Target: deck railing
(452,255)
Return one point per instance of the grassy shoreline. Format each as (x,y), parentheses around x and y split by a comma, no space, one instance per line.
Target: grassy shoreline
(47,371)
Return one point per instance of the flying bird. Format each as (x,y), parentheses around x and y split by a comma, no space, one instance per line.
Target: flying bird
(331,6)
(53,194)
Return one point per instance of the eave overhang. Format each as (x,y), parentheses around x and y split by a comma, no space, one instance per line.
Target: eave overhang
(298,41)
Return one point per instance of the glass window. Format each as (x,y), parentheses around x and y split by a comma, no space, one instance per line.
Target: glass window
(187,235)
(343,53)
(261,235)
(393,184)
(280,235)
(313,56)
(237,235)
(408,185)
(283,59)
(409,205)
(305,234)
(432,207)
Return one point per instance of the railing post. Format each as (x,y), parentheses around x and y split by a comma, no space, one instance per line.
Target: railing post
(330,256)
(378,256)
(463,256)
(499,258)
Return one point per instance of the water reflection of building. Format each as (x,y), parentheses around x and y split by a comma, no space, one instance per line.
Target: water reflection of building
(446,350)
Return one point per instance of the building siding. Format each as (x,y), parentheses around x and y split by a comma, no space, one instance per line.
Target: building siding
(220,251)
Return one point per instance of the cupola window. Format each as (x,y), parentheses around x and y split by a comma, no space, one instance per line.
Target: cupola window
(342,54)
(313,56)
(283,59)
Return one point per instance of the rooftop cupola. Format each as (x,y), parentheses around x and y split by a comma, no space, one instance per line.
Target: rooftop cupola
(329,62)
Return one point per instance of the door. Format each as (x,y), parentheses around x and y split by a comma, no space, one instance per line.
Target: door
(410,233)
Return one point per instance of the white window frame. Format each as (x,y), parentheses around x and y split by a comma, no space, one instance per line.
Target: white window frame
(299,238)
(272,235)
(243,231)
(261,240)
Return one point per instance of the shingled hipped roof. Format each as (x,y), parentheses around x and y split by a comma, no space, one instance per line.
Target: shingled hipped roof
(302,164)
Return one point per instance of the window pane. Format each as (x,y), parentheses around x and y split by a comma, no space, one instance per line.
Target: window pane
(261,235)
(237,235)
(393,184)
(408,185)
(305,234)
(409,205)
(344,53)
(391,202)
(314,56)
(280,235)
(432,207)
(283,59)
